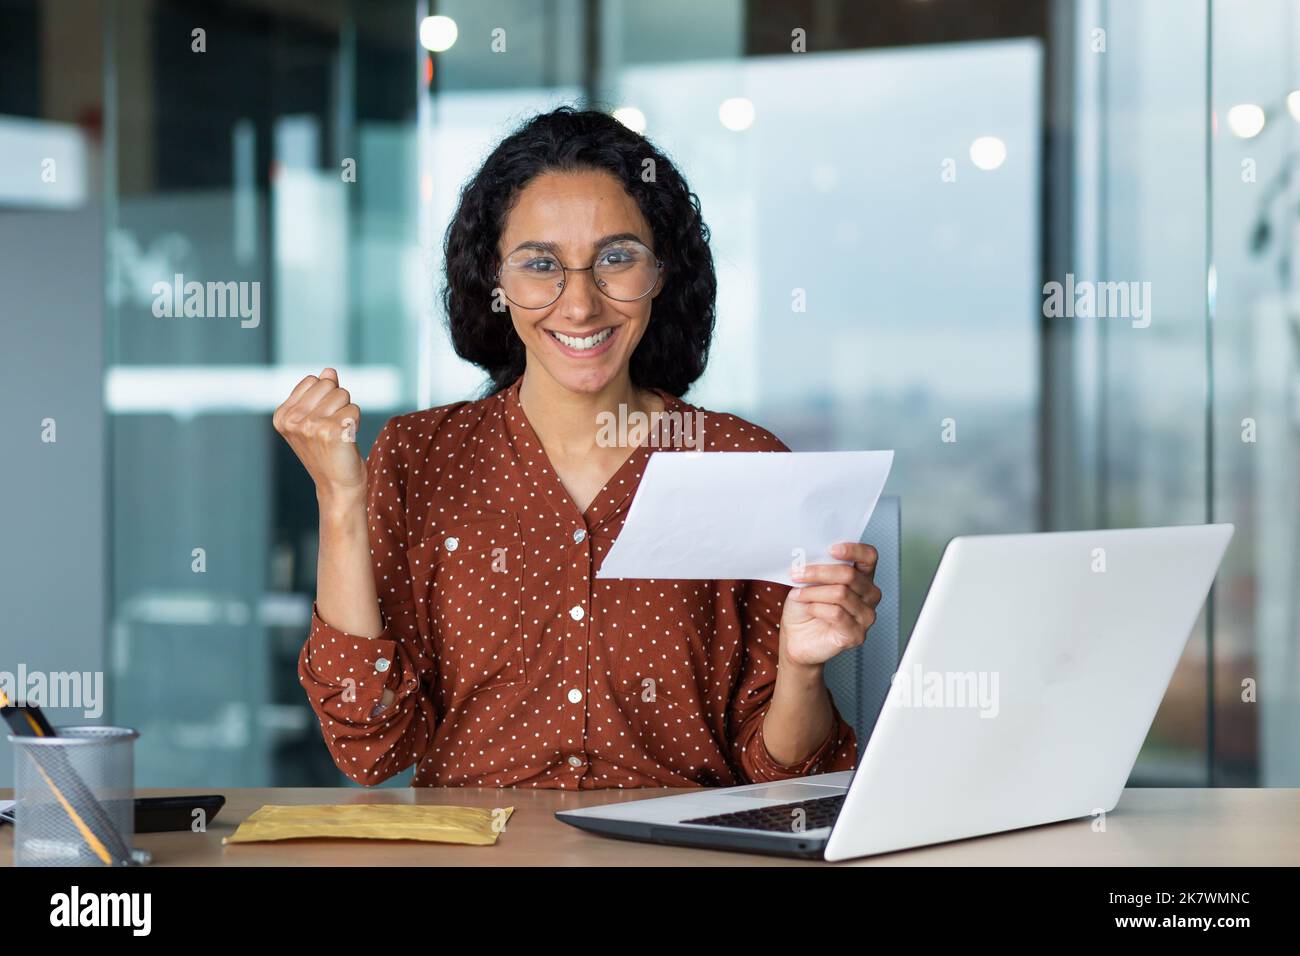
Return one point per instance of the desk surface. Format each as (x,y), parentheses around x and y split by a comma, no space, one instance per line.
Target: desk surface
(1150,827)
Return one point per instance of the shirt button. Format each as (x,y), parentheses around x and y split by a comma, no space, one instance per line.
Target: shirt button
(575,696)
(580,535)
(575,761)
(576,612)
(381,665)
(451,544)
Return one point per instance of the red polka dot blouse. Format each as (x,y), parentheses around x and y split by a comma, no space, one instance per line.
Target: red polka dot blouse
(512,664)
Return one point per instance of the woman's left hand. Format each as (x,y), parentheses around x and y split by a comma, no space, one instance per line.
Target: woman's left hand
(832,608)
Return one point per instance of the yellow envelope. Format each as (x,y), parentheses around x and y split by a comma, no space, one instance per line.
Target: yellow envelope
(374,821)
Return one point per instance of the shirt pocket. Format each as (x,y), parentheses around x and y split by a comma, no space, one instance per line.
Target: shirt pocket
(467,576)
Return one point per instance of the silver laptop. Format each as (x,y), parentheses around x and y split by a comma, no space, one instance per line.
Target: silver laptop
(1028,686)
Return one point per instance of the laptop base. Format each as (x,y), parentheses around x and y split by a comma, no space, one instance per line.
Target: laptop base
(712,838)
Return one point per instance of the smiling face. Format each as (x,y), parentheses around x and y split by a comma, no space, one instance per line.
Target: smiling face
(584,340)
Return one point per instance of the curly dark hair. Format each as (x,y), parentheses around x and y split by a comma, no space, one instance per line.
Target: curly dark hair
(675,347)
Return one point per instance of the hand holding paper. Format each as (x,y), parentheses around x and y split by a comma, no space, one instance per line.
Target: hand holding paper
(745,515)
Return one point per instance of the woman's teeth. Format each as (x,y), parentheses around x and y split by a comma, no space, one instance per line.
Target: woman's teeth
(581,345)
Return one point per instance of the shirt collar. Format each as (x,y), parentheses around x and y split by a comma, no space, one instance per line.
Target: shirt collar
(620,486)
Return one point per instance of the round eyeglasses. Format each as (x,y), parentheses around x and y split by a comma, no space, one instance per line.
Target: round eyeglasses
(624,270)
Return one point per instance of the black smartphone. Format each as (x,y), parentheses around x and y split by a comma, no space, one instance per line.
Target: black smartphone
(163,814)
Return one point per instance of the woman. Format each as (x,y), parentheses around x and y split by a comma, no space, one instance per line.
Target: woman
(459,625)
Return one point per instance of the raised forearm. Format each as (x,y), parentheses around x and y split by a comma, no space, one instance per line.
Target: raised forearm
(345,580)
(799,716)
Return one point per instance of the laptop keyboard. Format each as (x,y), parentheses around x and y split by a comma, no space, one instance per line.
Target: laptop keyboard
(780,818)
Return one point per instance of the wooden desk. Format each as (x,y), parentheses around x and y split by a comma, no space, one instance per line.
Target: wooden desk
(1150,827)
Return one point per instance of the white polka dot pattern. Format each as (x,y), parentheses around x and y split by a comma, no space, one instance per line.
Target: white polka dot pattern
(512,665)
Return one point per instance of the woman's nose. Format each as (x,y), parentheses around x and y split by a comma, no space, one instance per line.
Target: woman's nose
(580,299)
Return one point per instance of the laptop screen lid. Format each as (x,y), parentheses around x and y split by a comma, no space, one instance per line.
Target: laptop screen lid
(1031,679)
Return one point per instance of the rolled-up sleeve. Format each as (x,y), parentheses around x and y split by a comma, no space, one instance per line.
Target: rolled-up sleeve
(761,616)
(345,675)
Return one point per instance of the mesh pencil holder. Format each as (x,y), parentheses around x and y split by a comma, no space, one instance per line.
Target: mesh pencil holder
(74,797)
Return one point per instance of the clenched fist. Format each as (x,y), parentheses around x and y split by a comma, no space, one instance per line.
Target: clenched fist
(319,421)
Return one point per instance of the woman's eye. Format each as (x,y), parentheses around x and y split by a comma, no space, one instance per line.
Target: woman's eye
(614,257)
(541,265)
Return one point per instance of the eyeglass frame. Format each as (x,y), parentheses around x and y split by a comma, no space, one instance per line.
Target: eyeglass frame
(564,283)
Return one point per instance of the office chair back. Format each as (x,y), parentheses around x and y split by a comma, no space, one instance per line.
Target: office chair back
(859,678)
